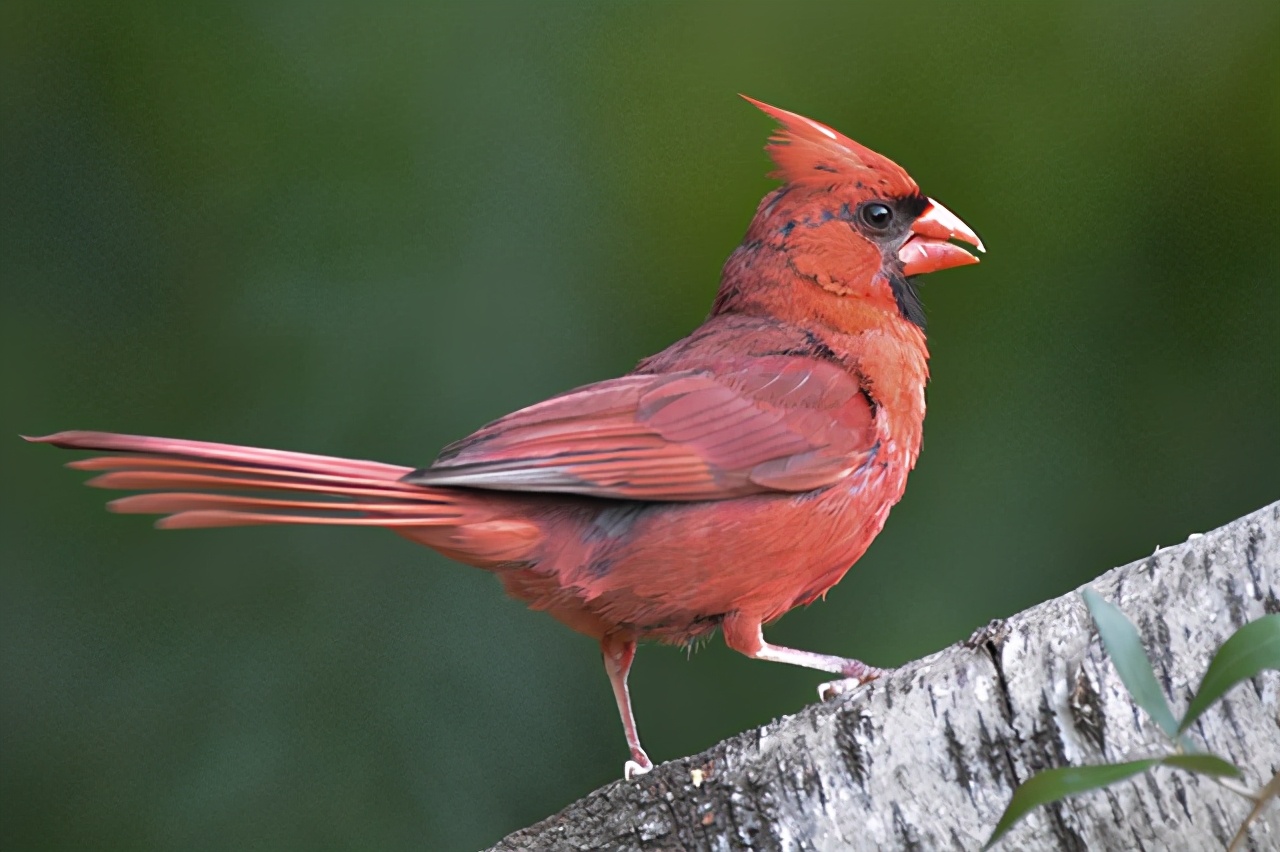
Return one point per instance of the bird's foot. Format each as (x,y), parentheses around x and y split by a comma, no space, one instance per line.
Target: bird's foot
(833,689)
(633,769)
(856,675)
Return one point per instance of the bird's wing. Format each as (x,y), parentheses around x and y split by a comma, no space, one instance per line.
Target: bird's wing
(774,423)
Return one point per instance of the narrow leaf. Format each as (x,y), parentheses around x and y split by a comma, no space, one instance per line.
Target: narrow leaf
(1204,764)
(1054,784)
(1124,646)
(1252,648)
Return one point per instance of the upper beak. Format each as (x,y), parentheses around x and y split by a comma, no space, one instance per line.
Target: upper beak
(928,248)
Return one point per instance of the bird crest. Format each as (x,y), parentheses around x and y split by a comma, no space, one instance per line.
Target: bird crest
(808,153)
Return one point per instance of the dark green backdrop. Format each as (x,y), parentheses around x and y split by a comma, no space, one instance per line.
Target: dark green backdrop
(365,230)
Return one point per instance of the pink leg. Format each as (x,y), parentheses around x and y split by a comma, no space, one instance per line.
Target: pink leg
(618,654)
(745,636)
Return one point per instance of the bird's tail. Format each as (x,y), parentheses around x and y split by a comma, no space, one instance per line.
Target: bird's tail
(201,484)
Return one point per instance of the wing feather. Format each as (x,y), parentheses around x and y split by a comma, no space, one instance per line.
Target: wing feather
(775,423)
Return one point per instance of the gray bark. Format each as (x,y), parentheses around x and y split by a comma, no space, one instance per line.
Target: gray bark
(927,758)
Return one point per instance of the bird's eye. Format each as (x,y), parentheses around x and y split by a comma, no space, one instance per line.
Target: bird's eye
(877,215)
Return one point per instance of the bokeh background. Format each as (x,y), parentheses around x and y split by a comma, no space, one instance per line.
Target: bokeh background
(364,230)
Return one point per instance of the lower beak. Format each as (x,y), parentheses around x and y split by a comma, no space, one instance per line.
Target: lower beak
(929,248)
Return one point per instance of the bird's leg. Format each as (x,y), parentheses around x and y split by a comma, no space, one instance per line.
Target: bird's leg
(618,654)
(745,636)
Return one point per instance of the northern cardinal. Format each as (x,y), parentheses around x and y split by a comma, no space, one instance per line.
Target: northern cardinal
(731,477)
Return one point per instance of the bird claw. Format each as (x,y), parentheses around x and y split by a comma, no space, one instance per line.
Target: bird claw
(632,770)
(833,689)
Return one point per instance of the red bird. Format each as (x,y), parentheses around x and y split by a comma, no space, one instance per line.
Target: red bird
(722,482)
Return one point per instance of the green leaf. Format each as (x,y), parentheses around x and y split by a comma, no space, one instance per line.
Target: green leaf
(1124,646)
(1252,648)
(1054,784)
(1204,764)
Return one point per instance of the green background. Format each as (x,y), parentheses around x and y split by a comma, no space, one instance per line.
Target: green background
(365,230)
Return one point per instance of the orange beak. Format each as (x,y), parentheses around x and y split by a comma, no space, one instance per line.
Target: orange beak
(929,249)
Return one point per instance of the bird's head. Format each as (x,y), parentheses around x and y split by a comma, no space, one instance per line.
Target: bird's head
(846,220)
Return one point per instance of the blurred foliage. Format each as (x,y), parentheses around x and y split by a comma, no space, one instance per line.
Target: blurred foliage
(366,229)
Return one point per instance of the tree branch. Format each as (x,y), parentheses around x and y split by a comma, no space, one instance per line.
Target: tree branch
(927,758)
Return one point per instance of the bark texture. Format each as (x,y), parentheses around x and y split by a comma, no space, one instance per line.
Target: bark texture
(927,758)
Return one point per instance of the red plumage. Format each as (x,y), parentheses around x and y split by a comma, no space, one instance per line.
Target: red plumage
(731,477)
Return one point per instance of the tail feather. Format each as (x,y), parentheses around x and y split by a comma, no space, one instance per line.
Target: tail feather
(222,518)
(277,459)
(191,478)
(142,480)
(164,503)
